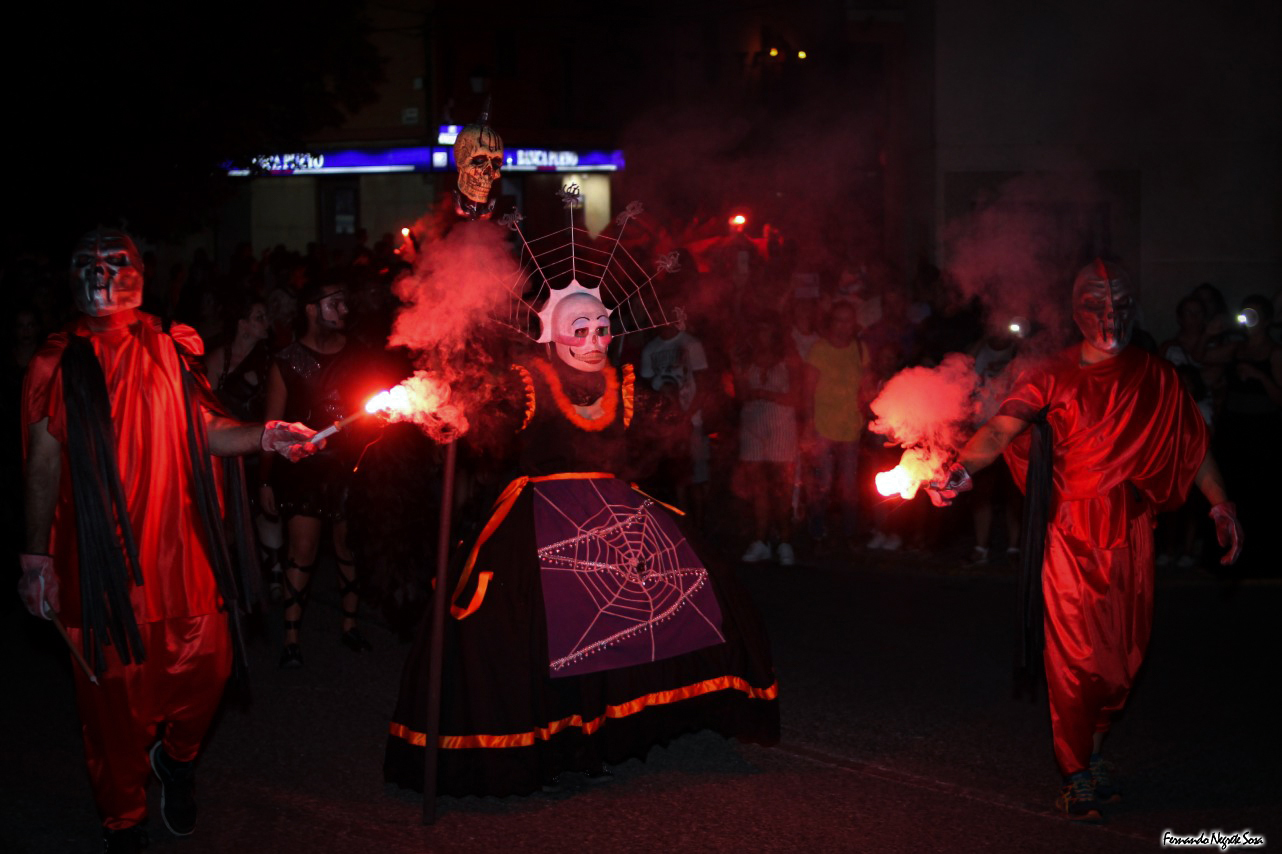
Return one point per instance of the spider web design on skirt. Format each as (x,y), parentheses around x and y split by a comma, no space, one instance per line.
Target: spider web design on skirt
(621,585)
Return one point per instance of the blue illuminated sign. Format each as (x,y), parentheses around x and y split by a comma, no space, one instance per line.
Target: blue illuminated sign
(427,159)
(547,160)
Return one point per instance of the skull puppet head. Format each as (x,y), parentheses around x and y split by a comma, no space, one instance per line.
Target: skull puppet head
(106,273)
(1104,306)
(580,331)
(478,154)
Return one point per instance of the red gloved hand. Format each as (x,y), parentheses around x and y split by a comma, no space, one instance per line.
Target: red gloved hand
(38,586)
(289,440)
(1228,531)
(957,481)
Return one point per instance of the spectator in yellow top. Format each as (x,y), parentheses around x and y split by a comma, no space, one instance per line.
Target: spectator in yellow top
(832,421)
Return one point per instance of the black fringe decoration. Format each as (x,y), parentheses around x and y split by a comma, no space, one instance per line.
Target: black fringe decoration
(197,397)
(101,512)
(1029,669)
(240,520)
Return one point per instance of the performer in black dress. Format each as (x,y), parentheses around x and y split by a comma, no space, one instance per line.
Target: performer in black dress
(583,627)
(237,369)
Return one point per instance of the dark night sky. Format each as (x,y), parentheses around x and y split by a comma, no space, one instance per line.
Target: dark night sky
(125,112)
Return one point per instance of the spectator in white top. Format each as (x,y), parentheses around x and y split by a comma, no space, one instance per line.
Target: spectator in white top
(768,384)
(674,356)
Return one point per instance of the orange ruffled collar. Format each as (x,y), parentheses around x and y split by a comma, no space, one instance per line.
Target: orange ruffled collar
(609,400)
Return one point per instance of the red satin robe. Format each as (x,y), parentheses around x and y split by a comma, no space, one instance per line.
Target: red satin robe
(177,606)
(1128,441)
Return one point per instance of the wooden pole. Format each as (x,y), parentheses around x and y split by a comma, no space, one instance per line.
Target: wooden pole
(75,650)
(436,651)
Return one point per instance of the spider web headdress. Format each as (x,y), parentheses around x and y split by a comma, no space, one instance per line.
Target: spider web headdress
(571,261)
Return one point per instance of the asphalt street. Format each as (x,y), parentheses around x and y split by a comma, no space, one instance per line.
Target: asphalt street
(900,734)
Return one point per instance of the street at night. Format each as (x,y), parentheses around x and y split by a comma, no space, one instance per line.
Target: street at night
(899,735)
(717,426)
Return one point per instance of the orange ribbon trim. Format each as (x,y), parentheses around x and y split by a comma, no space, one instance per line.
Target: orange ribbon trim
(609,400)
(623,710)
(501,508)
(639,491)
(629,394)
(530,403)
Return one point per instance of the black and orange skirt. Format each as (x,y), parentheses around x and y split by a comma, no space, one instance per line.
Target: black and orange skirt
(507,724)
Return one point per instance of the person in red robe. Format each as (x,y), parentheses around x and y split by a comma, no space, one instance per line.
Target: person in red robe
(1127,442)
(113,512)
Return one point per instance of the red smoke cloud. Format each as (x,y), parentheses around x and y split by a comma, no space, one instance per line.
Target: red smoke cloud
(930,412)
(423,400)
(1017,252)
(461,279)
(1020,248)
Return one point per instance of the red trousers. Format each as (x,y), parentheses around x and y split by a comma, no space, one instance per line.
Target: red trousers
(179,685)
(1099,613)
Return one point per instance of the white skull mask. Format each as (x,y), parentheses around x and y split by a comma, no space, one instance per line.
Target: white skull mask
(106,273)
(478,154)
(581,332)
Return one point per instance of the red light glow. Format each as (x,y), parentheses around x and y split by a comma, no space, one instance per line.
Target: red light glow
(916,467)
(895,481)
(423,400)
(419,395)
(739,220)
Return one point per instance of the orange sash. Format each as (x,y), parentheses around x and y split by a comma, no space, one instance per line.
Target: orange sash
(501,508)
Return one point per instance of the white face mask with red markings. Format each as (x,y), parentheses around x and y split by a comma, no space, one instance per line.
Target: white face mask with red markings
(581,332)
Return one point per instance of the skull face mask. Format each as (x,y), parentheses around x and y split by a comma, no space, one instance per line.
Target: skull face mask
(106,273)
(581,332)
(1103,306)
(478,153)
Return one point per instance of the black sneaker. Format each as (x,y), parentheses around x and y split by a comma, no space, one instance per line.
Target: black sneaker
(1108,788)
(599,774)
(127,840)
(355,641)
(1078,801)
(177,791)
(291,657)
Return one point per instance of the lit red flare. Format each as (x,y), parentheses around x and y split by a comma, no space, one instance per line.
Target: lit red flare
(420,395)
(423,400)
(897,480)
(337,426)
(916,468)
(388,400)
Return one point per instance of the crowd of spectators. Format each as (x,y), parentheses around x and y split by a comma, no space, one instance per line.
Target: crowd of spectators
(783,362)
(1231,363)
(768,372)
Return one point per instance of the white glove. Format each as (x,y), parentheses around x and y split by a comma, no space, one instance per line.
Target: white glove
(1228,530)
(291,441)
(956,482)
(38,586)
